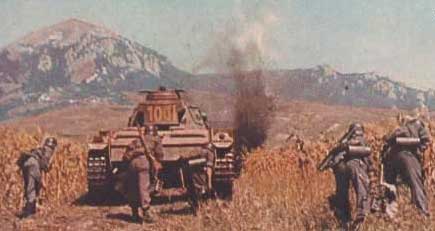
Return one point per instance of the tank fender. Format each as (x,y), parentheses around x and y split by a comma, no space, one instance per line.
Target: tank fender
(93,146)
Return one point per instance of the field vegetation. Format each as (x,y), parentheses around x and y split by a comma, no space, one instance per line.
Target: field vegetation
(279,189)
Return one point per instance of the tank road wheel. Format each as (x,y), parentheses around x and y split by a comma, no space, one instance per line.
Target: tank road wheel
(224,190)
(99,175)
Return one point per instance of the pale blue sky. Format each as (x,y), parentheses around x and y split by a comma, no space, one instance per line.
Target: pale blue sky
(391,37)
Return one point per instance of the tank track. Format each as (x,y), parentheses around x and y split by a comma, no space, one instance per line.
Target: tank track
(98,173)
(225,170)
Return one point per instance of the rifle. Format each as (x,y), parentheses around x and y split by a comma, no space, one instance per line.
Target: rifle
(146,148)
(337,153)
(156,164)
(333,158)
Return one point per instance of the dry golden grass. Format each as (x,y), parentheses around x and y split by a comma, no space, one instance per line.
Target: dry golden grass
(65,181)
(279,189)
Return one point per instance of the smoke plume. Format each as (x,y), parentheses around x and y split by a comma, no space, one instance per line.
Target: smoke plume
(240,51)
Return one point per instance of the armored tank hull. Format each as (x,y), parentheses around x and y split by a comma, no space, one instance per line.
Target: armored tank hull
(183,130)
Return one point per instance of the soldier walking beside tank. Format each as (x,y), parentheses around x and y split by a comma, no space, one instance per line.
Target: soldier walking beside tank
(32,164)
(143,156)
(350,162)
(403,156)
(198,176)
(208,153)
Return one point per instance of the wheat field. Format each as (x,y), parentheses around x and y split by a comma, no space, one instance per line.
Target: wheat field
(279,189)
(65,181)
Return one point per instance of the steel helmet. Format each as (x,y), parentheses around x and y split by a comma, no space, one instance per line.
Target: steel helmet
(50,142)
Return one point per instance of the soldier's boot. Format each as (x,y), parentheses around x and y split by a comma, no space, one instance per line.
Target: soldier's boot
(391,210)
(357,224)
(376,205)
(28,210)
(135,215)
(344,226)
(147,217)
(425,214)
(212,193)
(391,206)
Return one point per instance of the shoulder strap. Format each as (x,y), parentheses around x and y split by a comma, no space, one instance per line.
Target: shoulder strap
(411,131)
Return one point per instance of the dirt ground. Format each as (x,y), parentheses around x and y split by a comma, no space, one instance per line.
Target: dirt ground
(102,217)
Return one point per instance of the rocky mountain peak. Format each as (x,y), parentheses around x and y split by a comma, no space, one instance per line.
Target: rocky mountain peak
(65,33)
(79,60)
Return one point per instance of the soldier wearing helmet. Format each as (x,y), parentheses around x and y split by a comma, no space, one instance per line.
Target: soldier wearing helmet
(352,168)
(403,155)
(137,181)
(205,119)
(32,164)
(143,157)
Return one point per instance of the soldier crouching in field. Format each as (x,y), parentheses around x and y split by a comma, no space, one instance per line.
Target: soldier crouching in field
(141,158)
(350,162)
(402,156)
(32,164)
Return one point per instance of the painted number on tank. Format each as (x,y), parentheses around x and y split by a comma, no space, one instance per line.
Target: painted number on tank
(162,113)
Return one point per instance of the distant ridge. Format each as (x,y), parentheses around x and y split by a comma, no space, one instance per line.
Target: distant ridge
(325,84)
(76,61)
(79,62)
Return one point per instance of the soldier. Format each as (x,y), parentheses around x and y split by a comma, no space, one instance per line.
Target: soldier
(32,164)
(205,119)
(205,185)
(198,178)
(404,159)
(141,164)
(153,143)
(353,167)
(208,153)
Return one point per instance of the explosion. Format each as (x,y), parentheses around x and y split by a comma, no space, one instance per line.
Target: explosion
(240,52)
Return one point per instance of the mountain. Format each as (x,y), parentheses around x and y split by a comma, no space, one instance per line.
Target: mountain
(77,61)
(326,85)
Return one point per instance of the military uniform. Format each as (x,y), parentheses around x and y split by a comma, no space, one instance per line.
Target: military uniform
(353,168)
(208,153)
(139,174)
(138,182)
(405,161)
(154,144)
(198,178)
(202,179)
(32,164)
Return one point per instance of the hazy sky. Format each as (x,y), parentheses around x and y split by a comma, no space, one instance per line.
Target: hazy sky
(391,37)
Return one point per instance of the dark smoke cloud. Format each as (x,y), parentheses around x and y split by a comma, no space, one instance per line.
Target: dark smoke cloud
(239,51)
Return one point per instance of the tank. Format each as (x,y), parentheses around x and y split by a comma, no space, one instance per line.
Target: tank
(183,129)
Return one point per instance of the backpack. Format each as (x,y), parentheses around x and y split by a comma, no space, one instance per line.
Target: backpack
(24,156)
